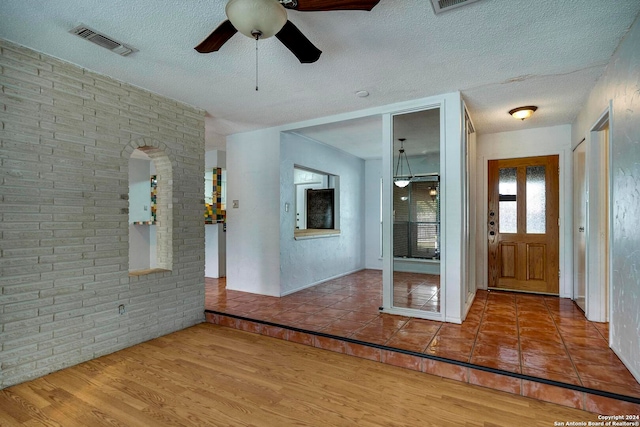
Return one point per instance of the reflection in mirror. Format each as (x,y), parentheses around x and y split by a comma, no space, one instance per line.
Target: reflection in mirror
(416,210)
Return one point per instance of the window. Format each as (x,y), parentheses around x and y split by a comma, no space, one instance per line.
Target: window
(416,222)
(317,202)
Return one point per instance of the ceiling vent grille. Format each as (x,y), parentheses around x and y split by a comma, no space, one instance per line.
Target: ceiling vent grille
(440,6)
(102,40)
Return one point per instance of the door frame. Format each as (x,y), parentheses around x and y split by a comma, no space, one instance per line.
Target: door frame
(565,212)
(586,222)
(521,238)
(598,296)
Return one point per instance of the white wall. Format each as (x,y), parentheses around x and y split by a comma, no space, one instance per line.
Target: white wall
(619,85)
(253,229)
(527,143)
(304,263)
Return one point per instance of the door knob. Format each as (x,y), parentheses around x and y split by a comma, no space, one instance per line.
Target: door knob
(581,229)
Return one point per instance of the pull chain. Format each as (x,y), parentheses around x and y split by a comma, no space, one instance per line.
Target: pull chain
(257,37)
(257,34)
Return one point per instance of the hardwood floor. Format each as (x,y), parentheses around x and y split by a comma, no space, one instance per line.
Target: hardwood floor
(209,375)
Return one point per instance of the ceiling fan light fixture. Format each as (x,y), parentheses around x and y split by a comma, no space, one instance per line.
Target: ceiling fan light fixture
(522,113)
(251,17)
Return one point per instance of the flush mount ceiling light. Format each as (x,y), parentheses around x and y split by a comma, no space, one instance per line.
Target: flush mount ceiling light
(256,18)
(522,113)
(400,179)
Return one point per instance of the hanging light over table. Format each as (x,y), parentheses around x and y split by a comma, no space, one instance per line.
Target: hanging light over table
(399,178)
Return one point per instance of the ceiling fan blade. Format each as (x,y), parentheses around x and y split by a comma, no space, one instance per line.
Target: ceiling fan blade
(298,44)
(325,5)
(216,39)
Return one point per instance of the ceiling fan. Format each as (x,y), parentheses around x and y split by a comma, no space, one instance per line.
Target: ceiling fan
(260,19)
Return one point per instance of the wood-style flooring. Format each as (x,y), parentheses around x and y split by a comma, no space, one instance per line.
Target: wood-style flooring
(209,375)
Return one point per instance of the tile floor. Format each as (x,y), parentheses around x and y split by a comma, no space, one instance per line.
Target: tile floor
(541,336)
(417,291)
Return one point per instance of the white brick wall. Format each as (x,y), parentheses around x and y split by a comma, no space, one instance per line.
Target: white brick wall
(65,142)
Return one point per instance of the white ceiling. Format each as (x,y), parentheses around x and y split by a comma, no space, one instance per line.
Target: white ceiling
(499,53)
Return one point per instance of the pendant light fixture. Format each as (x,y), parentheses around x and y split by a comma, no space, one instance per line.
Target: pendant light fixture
(400,179)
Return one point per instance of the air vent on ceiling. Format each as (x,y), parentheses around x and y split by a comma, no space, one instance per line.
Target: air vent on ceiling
(440,6)
(102,40)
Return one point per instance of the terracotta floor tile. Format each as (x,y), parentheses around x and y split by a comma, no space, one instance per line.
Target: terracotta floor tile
(500,353)
(604,373)
(536,321)
(594,355)
(546,363)
(389,322)
(548,348)
(342,327)
(420,325)
(359,316)
(578,335)
(370,337)
(568,375)
(500,317)
(493,363)
(449,354)
(585,342)
(605,406)
(313,322)
(624,389)
(408,340)
(498,328)
(497,340)
(451,330)
(495,381)
(290,317)
(460,345)
(363,351)
(549,393)
(541,334)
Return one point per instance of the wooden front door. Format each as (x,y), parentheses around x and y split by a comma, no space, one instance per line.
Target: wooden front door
(523,224)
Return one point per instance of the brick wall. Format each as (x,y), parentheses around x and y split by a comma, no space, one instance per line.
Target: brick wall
(65,141)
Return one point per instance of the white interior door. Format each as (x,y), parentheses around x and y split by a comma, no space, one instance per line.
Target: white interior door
(580,201)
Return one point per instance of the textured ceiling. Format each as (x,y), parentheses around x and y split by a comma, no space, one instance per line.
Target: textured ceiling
(499,53)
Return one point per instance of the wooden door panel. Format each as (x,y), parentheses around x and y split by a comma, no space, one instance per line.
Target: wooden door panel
(536,262)
(508,260)
(525,258)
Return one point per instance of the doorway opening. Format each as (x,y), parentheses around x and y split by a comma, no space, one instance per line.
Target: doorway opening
(592,213)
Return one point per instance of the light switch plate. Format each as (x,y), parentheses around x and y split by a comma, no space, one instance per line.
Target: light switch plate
(236,204)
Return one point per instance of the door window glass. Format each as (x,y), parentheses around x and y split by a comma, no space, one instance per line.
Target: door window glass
(508,204)
(536,200)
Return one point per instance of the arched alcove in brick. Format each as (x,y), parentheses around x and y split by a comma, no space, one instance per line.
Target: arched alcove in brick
(160,156)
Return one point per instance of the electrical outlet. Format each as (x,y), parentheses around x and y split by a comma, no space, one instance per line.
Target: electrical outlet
(121,309)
